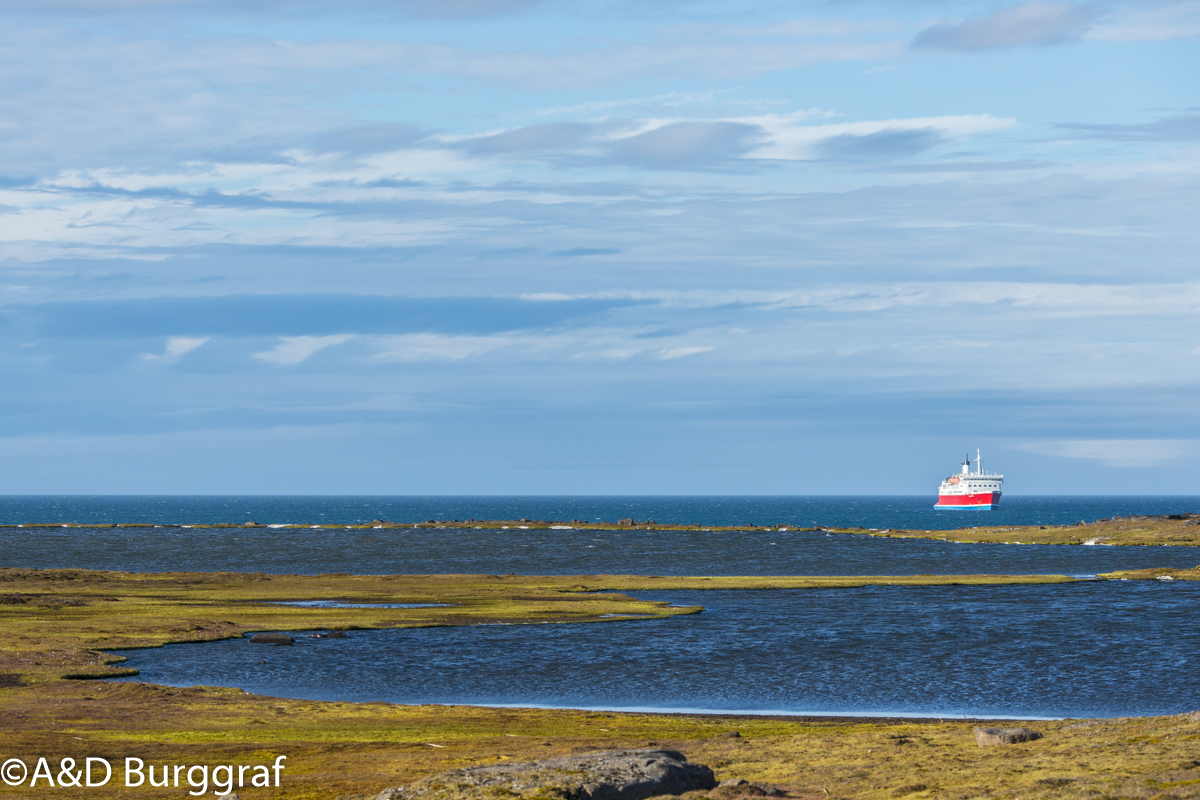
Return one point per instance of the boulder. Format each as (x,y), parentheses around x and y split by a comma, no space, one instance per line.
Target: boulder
(744,788)
(272,638)
(628,522)
(990,736)
(604,775)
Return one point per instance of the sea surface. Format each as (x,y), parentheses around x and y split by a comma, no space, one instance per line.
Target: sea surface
(549,552)
(1091,649)
(1102,649)
(562,552)
(869,512)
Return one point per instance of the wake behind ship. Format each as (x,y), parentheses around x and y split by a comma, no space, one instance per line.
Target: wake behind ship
(970,491)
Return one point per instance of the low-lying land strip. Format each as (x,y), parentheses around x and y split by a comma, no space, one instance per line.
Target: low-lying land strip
(57,624)
(1162,529)
(1167,529)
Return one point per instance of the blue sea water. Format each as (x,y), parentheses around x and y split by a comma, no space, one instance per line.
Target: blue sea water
(1091,649)
(563,552)
(1097,649)
(553,552)
(869,512)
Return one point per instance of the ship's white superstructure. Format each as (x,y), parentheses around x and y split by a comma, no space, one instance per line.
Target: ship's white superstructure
(971,490)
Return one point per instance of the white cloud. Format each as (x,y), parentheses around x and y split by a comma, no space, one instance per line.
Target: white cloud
(774,137)
(430,346)
(1035,23)
(294,349)
(1117,452)
(791,141)
(177,347)
(681,352)
(1151,24)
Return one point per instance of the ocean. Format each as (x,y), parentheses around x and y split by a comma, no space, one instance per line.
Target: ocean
(869,512)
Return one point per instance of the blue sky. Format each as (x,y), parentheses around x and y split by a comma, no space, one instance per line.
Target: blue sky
(509,246)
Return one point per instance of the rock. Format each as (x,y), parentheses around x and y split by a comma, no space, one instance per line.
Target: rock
(990,736)
(628,522)
(744,788)
(272,638)
(232,796)
(604,775)
(251,524)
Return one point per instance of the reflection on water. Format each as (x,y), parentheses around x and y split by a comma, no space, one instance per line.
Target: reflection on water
(1090,649)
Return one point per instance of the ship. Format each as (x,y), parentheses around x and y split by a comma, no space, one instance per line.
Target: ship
(970,491)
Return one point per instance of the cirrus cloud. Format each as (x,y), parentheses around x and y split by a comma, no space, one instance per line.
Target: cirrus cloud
(1033,23)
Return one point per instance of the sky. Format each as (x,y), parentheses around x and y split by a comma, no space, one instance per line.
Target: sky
(543,247)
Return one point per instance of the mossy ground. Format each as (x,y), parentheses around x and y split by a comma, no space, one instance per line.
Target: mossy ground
(1160,530)
(55,623)
(348,750)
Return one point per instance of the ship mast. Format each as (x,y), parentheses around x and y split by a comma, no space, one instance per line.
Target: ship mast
(978,462)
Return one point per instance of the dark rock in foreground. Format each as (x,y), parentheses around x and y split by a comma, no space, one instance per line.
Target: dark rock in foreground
(736,787)
(272,638)
(605,775)
(989,736)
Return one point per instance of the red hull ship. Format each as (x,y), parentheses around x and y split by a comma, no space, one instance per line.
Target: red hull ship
(971,491)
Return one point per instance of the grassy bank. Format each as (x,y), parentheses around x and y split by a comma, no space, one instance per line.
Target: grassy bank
(346,749)
(1171,530)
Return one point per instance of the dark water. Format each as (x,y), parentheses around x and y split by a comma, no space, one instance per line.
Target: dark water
(869,512)
(1081,650)
(563,552)
(543,552)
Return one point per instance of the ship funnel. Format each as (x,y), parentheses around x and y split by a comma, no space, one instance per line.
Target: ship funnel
(967,465)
